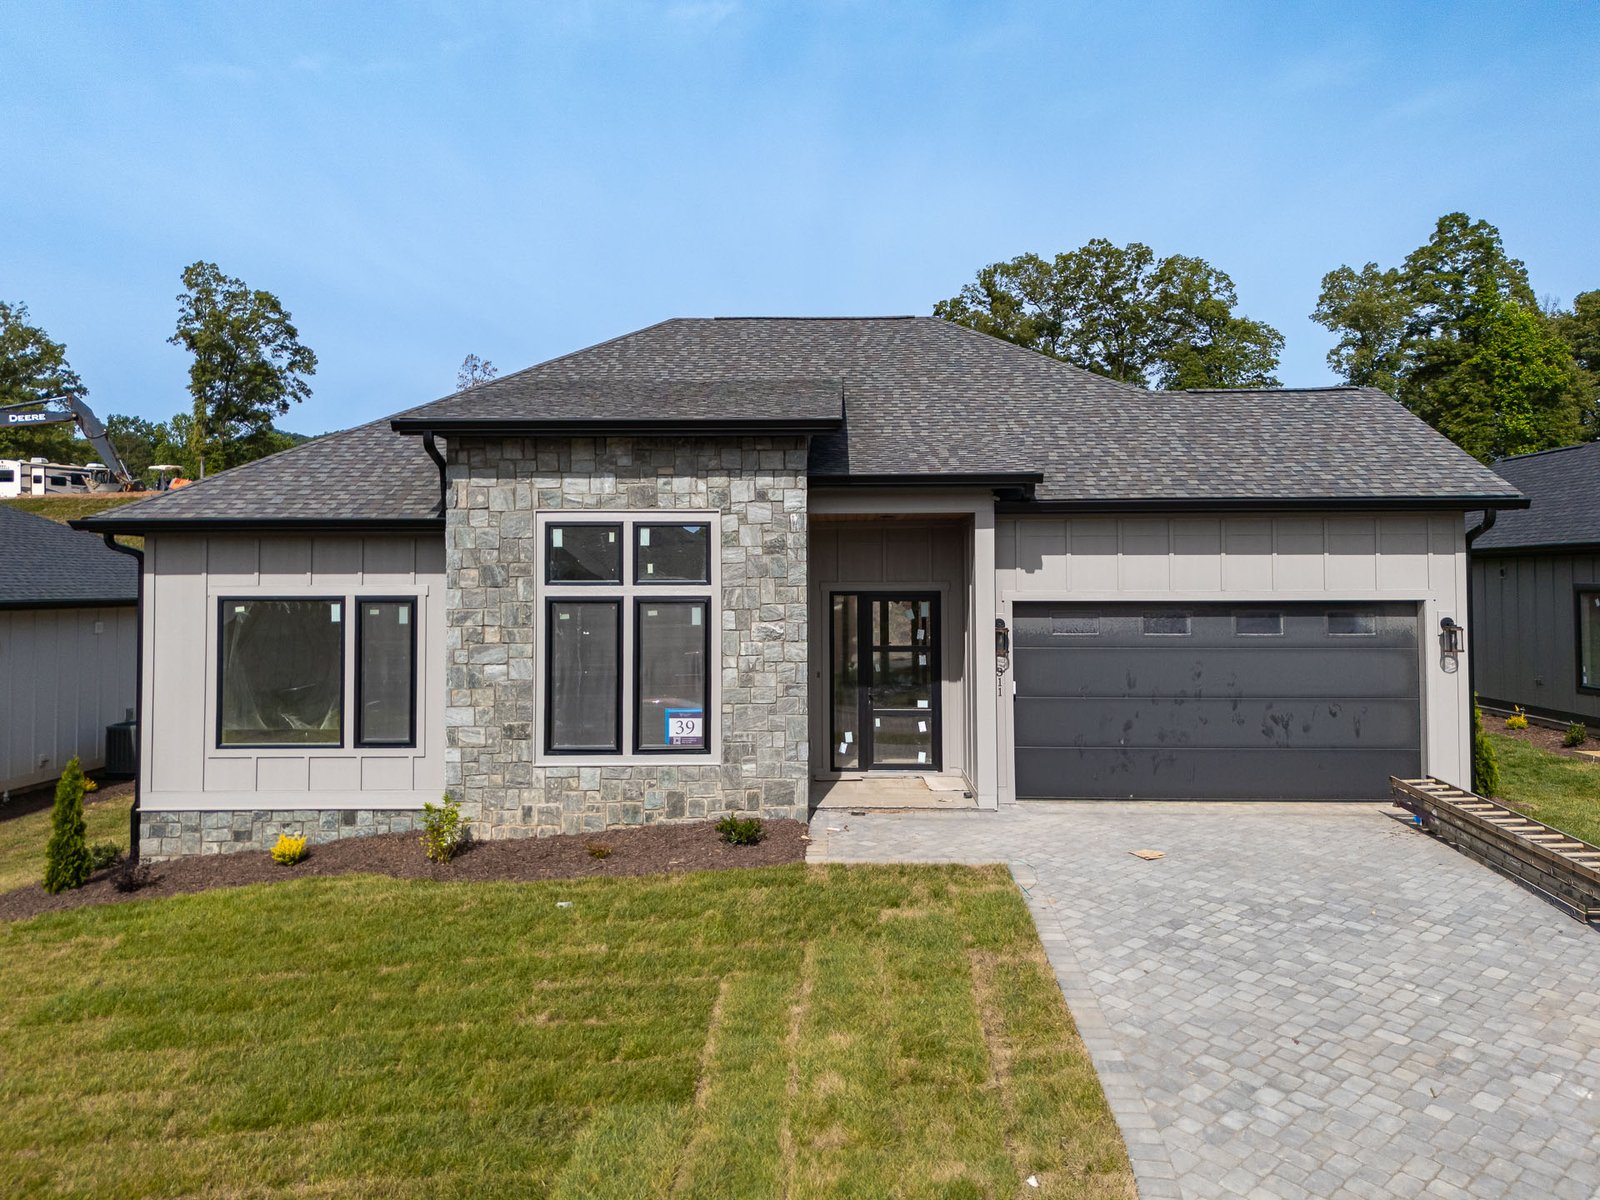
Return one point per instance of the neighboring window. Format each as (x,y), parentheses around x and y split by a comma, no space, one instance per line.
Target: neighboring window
(281,673)
(673,689)
(1352,624)
(1084,625)
(672,554)
(583,554)
(8,476)
(1589,640)
(386,672)
(1259,624)
(1167,625)
(628,665)
(583,691)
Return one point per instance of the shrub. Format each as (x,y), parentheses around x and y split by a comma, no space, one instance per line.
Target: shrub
(1517,720)
(443,830)
(103,855)
(740,831)
(66,858)
(288,850)
(1485,766)
(131,876)
(599,850)
(1577,734)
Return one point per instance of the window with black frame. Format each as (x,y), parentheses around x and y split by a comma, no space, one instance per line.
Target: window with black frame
(1589,640)
(281,672)
(627,654)
(386,672)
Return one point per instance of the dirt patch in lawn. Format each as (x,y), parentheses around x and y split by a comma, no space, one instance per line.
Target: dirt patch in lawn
(1542,737)
(647,850)
(31,800)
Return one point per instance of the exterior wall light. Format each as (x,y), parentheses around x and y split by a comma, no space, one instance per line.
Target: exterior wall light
(1452,637)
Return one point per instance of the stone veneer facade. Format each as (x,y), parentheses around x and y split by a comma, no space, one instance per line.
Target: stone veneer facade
(493,590)
(164,835)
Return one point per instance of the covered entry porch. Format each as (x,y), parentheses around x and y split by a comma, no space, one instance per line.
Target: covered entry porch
(903,682)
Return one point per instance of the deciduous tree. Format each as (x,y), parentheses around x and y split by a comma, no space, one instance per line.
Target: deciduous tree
(33,368)
(473,371)
(1122,312)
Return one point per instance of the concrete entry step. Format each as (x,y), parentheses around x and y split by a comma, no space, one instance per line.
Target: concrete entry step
(890,792)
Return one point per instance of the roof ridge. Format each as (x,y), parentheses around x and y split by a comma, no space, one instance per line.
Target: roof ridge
(1039,355)
(1328,387)
(1549,450)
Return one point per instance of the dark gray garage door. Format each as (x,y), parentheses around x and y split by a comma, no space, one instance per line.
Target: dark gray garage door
(1159,702)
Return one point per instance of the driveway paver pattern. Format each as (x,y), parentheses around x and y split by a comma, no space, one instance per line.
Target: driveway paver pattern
(1298,1001)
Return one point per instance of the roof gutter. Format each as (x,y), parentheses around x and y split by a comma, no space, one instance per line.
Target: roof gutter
(138,692)
(1155,504)
(501,427)
(1482,527)
(1022,482)
(135,527)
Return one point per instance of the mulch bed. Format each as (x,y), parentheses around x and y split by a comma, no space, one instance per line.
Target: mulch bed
(1542,737)
(645,850)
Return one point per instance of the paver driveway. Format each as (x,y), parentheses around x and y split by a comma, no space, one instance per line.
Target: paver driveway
(1299,1000)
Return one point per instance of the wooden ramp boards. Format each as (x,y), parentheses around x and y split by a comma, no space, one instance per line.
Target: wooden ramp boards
(1554,863)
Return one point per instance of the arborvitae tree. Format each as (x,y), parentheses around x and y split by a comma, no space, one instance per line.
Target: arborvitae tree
(66,858)
(1485,766)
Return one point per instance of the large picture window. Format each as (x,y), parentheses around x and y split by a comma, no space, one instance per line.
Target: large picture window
(627,650)
(281,673)
(386,672)
(1589,640)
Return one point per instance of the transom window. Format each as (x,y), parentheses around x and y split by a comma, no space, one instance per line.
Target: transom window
(628,665)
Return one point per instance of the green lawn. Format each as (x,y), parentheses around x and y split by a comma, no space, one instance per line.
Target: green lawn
(802,1032)
(22,839)
(1553,788)
(71,507)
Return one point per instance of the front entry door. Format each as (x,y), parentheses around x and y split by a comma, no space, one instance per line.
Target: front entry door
(884,685)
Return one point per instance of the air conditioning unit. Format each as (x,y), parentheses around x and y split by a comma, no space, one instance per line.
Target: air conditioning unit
(122,749)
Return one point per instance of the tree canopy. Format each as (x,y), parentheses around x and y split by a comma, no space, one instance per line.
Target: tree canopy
(34,368)
(1456,335)
(1121,312)
(473,371)
(249,365)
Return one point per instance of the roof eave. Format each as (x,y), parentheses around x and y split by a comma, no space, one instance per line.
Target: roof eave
(504,427)
(1025,480)
(136,527)
(1457,503)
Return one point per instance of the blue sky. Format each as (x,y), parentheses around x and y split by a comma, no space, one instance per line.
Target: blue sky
(420,181)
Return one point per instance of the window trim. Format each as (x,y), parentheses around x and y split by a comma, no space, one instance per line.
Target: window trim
(546,547)
(344,647)
(361,741)
(640,581)
(1579,591)
(638,661)
(547,742)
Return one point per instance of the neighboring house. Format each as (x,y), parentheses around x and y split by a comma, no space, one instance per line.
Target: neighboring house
(1536,589)
(698,567)
(68,626)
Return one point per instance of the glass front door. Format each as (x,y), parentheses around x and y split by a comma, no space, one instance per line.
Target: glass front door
(884,681)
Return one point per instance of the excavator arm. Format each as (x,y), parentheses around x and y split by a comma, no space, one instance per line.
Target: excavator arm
(76,412)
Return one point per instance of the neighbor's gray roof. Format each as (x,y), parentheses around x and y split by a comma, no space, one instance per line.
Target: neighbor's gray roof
(369,473)
(922,398)
(46,565)
(1564,486)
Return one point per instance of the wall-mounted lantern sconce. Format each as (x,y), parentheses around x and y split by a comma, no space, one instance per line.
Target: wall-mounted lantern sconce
(1452,637)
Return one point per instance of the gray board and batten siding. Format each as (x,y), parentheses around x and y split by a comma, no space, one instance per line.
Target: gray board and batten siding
(1215,701)
(1525,617)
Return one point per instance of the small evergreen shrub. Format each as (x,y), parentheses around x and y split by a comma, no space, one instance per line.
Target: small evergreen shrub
(131,876)
(288,850)
(599,850)
(1577,734)
(1517,720)
(67,862)
(103,855)
(443,830)
(740,831)
(1485,766)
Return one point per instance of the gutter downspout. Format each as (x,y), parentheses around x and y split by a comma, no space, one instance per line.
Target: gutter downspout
(429,445)
(1473,534)
(138,693)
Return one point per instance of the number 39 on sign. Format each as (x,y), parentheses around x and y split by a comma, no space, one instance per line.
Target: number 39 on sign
(686,727)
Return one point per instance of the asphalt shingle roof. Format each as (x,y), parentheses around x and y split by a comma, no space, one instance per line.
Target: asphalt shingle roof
(1564,486)
(921,397)
(46,565)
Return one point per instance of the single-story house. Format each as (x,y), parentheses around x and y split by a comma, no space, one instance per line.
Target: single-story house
(698,567)
(68,656)
(1536,589)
